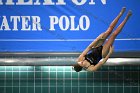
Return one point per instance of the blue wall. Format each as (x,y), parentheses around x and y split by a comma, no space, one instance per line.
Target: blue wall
(51,41)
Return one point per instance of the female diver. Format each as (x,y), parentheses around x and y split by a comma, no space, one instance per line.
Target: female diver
(90,58)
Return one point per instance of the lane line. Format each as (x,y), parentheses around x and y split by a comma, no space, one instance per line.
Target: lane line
(60,40)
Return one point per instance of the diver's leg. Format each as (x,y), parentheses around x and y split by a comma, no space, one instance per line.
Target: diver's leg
(110,41)
(113,24)
(105,34)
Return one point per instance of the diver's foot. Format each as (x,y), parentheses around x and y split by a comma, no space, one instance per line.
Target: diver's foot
(129,13)
(123,10)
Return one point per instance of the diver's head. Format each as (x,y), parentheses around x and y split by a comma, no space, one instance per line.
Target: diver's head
(77,67)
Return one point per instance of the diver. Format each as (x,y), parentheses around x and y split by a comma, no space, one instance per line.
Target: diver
(98,52)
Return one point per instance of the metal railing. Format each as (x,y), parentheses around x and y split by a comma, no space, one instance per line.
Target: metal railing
(62,59)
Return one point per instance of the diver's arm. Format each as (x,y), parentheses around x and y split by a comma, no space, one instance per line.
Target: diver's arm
(97,66)
(93,44)
(82,56)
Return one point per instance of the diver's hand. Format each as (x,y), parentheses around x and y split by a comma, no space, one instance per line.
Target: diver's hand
(108,55)
(80,58)
(111,49)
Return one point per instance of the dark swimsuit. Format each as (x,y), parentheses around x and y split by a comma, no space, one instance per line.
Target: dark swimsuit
(94,55)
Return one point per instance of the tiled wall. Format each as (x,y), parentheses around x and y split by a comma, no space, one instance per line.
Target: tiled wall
(60,79)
